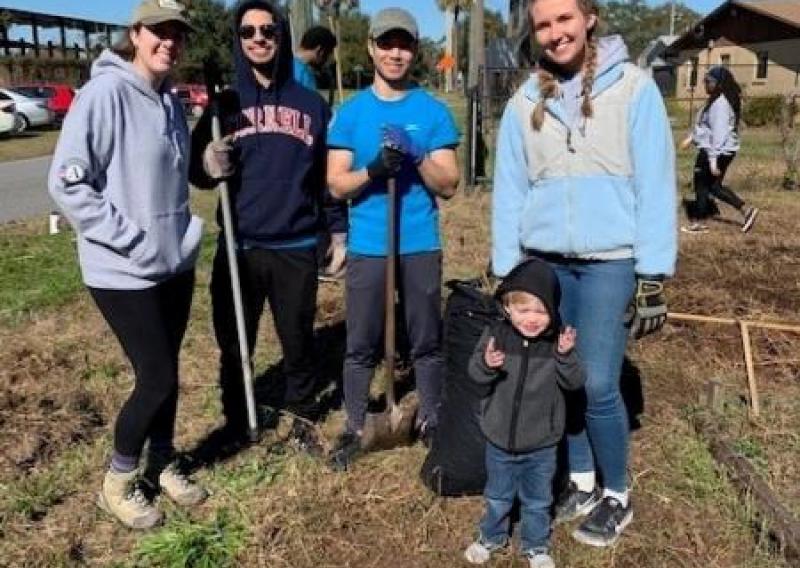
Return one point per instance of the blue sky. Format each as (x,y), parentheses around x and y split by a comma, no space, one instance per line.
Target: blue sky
(430,19)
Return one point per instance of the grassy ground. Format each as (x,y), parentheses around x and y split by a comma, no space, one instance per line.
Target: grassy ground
(30,144)
(63,378)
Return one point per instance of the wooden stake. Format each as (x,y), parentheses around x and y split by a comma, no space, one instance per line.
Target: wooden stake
(755,408)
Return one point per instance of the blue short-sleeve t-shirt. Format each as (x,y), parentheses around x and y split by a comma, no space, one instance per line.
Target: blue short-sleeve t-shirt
(356,126)
(304,75)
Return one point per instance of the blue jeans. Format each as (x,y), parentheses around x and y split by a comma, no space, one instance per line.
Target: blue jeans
(528,476)
(594,297)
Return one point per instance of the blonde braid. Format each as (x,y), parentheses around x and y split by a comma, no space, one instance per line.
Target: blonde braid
(548,88)
(589,69)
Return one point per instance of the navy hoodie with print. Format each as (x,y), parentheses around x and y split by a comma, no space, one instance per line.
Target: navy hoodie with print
(279,143)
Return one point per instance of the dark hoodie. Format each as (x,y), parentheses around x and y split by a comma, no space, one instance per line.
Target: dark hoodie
(525,410)
(280,143)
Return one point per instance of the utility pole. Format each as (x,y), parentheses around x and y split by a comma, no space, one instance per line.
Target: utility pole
(672,18)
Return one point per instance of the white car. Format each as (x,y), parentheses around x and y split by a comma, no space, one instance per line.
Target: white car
(30,111)
(8,114)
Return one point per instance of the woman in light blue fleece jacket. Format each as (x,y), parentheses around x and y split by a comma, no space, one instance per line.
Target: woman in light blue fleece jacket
(716,135)
(585,179)
(119,173)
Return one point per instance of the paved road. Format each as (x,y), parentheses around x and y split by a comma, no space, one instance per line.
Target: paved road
(23,189)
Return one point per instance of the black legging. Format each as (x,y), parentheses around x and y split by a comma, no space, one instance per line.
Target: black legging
(150,325)
(706,185)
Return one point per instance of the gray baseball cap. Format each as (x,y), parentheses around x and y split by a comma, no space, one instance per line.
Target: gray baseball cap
(150,12)
(390,19)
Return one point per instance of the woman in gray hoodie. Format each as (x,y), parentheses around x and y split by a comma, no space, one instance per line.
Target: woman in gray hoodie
(119,174)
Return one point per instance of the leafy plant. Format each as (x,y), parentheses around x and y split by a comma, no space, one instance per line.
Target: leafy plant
(184,543)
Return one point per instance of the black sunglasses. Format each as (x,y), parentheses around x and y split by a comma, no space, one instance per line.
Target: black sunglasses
(267,31)
(390,41)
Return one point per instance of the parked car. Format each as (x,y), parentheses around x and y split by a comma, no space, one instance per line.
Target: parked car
(31,111)
(59,95)
(8,114)
(193,96)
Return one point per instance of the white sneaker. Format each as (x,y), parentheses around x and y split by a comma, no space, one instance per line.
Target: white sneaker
(480,552)
(540,559)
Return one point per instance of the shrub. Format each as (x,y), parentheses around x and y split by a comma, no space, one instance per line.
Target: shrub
(762,111)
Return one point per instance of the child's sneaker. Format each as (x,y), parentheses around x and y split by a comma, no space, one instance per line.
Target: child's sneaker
(573,503)
(539,558)
(605,523)
(749,219)
(694,228)
(480,551)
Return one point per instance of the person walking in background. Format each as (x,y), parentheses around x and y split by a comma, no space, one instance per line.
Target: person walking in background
(527,359)
(273,155)
(392,129)
(716,136)
(585,180)
(119,173)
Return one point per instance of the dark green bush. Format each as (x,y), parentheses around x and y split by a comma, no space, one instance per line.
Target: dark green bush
(762,111)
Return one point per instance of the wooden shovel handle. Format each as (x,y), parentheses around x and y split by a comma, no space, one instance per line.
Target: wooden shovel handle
(391,263)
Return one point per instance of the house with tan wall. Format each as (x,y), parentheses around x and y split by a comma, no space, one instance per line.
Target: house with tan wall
(758,40)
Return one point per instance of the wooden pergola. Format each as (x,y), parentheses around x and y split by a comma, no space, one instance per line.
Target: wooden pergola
(38,21)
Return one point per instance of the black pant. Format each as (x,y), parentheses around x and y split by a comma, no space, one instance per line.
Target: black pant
(288,280)
(706,184)
(419,278)
(150,325)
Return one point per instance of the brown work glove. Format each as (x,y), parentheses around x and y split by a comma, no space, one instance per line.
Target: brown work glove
(219,159)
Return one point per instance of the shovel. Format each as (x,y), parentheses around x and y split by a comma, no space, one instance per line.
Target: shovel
(393,426)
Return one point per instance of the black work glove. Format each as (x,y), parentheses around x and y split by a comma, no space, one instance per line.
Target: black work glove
(386,164)
(647,311)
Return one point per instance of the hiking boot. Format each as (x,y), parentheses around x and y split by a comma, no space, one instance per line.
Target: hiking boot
(309,409)
(122,498)
(749,219)
(694,228)
(345,451)
(604,525)
(539,558)
(480,551)
(573,503)
(179,487)
(303,437)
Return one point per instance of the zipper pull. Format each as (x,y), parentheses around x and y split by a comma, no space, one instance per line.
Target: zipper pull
(570,147)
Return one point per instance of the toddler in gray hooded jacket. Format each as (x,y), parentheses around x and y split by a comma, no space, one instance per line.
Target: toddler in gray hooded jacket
(528,360)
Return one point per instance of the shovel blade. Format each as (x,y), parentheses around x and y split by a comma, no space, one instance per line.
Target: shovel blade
(393,427)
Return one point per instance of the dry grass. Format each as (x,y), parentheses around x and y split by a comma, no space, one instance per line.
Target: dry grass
(63,377)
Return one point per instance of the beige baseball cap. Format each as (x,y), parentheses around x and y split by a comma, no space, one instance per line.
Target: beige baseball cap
(390,19)
(150,12)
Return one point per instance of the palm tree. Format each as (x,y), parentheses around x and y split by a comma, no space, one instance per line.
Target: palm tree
(451,9)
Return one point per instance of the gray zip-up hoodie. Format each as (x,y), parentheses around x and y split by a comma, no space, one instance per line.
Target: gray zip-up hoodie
(525,408)
(120,173)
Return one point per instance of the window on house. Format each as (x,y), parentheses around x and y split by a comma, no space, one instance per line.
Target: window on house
(725,60)
(693,64)
(762,64)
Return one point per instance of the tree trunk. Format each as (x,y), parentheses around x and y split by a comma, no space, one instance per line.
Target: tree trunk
(300,19)
(477,50)
(449,48)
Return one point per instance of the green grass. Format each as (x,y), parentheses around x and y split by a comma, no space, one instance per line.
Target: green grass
(36,271)
(31,144)
(184,543)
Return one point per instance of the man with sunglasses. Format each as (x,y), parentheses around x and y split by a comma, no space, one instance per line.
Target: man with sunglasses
(273,155)
(392,129)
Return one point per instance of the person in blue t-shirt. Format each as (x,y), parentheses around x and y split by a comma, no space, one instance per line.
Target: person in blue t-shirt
(316,47)
(392,129)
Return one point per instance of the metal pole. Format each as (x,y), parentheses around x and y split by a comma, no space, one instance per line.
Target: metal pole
(233,267)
